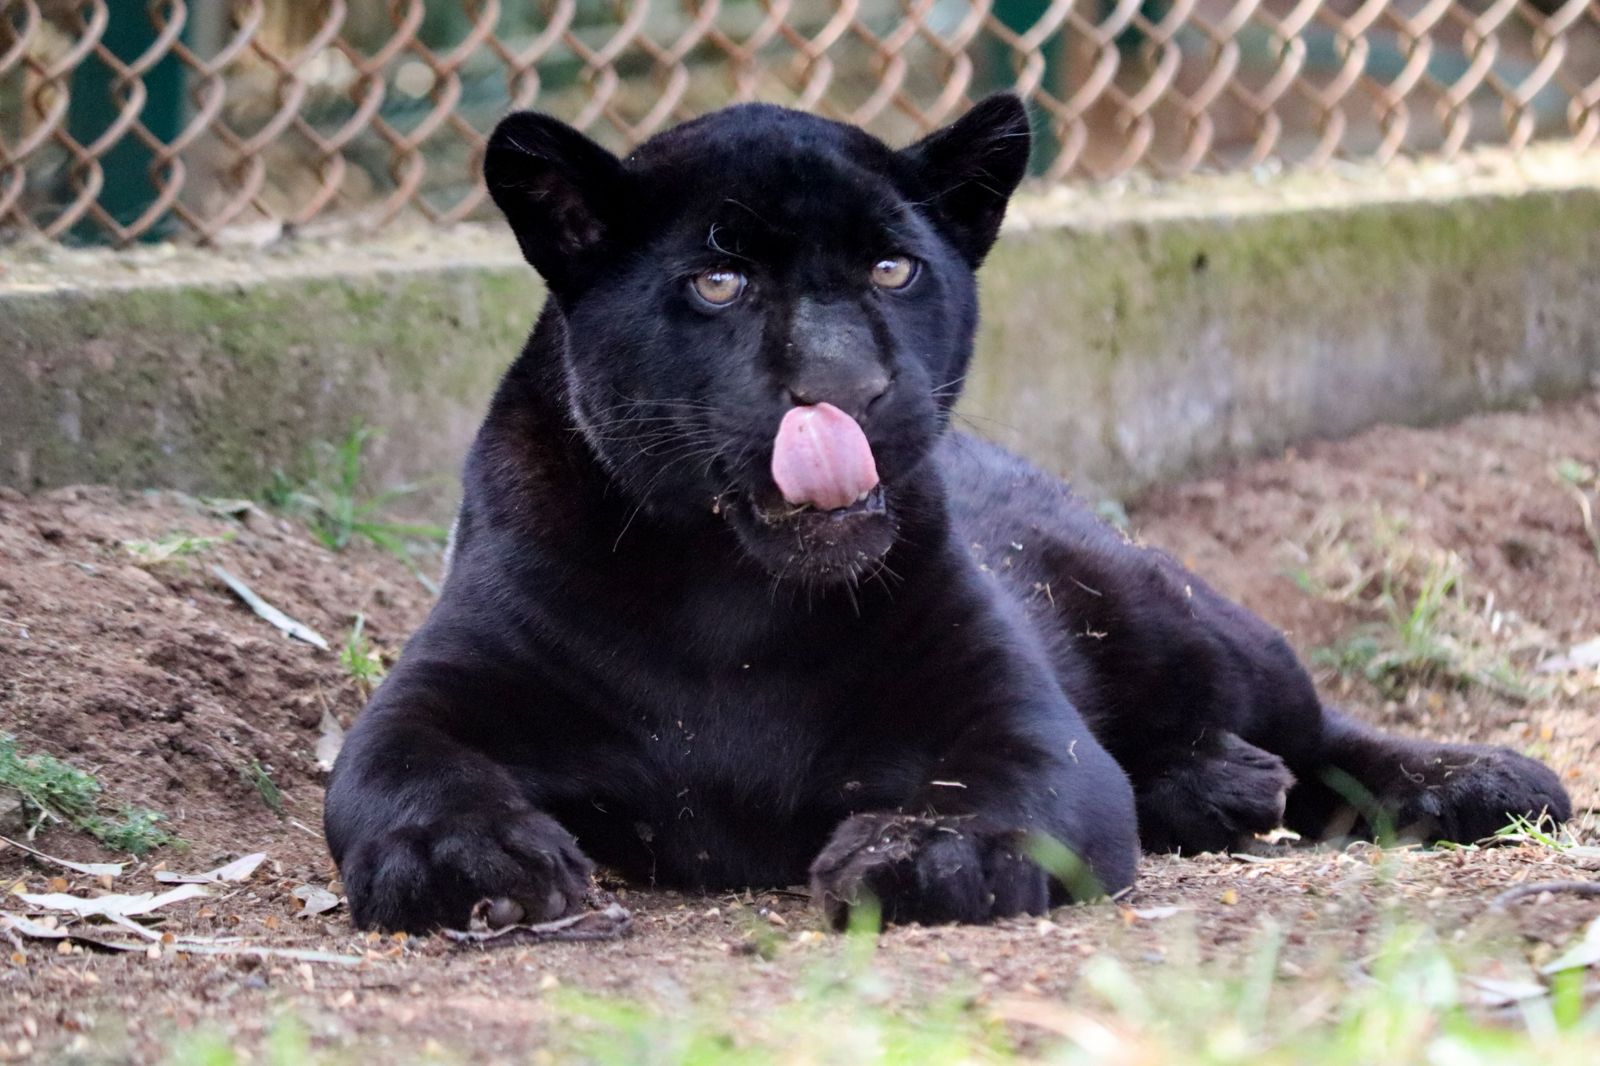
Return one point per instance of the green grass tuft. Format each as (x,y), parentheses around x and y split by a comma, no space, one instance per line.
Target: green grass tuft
(1431,630)
(257,777)
(1578,479)
(174,548)
(52,790)
(1545,833)
(1113,512)
(359,658)
(334,504)
(135,830)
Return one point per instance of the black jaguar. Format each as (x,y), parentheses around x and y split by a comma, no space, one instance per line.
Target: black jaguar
(731,604)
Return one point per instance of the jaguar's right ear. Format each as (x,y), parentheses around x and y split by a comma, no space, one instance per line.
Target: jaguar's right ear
(559,190)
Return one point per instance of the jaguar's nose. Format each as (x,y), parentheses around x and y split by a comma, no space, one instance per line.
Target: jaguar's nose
(853,394)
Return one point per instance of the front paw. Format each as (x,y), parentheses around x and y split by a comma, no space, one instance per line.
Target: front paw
(1467,792)
(420,878)
(929,870)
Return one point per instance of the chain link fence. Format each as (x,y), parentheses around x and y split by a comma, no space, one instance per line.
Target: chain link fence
(125,119)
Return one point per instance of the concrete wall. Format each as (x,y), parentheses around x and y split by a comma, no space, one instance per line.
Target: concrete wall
(207,371)
(1143,350)
(1129,335)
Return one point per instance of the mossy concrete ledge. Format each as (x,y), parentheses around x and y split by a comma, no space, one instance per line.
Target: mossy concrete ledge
(1124,346)
(1128,335)
(207,371)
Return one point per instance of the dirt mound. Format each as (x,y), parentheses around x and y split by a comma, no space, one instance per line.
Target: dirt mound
(122,653)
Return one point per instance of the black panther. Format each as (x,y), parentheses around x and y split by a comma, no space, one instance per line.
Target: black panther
(731,604)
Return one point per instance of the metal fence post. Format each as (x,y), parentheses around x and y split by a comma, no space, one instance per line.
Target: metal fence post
(1018,16)
(130,187)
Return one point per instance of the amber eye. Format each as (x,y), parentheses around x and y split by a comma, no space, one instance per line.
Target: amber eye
(719,288)
(894,272)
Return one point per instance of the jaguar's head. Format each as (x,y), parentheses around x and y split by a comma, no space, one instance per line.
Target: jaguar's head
(768,315)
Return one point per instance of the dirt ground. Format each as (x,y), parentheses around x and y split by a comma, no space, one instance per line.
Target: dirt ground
(157,679)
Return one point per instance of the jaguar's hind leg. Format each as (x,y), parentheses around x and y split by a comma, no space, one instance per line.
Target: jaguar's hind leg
(1217,716)
(1365,782)
(1204,705)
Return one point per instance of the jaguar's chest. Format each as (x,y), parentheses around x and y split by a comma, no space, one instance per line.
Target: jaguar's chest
(734,793)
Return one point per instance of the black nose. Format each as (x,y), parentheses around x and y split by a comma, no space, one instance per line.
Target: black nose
(852,394)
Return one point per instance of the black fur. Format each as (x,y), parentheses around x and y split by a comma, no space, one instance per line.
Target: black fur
(642,658)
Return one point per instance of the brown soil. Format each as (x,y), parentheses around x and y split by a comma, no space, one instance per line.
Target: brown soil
(159,680)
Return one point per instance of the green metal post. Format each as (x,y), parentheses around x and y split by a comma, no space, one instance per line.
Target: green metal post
(129,187)
(1019,16)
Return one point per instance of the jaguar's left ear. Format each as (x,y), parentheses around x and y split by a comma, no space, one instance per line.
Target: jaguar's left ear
(971,168)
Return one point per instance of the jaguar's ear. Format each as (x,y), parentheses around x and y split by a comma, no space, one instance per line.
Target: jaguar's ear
(559,190)
(971,168)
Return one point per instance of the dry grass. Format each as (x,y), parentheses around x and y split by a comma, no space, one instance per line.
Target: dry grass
(1429,626)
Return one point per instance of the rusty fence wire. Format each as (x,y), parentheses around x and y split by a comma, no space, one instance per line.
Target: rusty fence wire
(196,119)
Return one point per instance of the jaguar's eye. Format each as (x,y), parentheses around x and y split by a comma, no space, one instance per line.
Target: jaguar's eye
(894,272)
(719,288)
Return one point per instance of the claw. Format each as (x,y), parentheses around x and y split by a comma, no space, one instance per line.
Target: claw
(502,912)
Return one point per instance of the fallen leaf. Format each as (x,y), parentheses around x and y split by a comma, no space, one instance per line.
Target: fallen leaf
(269,613)
(186,945)
(13,924)
(610,922)
(113,905)
(16,923)
(301,954)
(134,927)
(1585,952)
(1280,835)
(93,869)
(1087,1033)
(1500,991)
(314,900)
(237,870)
(227,508)
(1585,656)
(330,742)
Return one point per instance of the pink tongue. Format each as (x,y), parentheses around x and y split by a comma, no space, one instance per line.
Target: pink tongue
(822,458)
